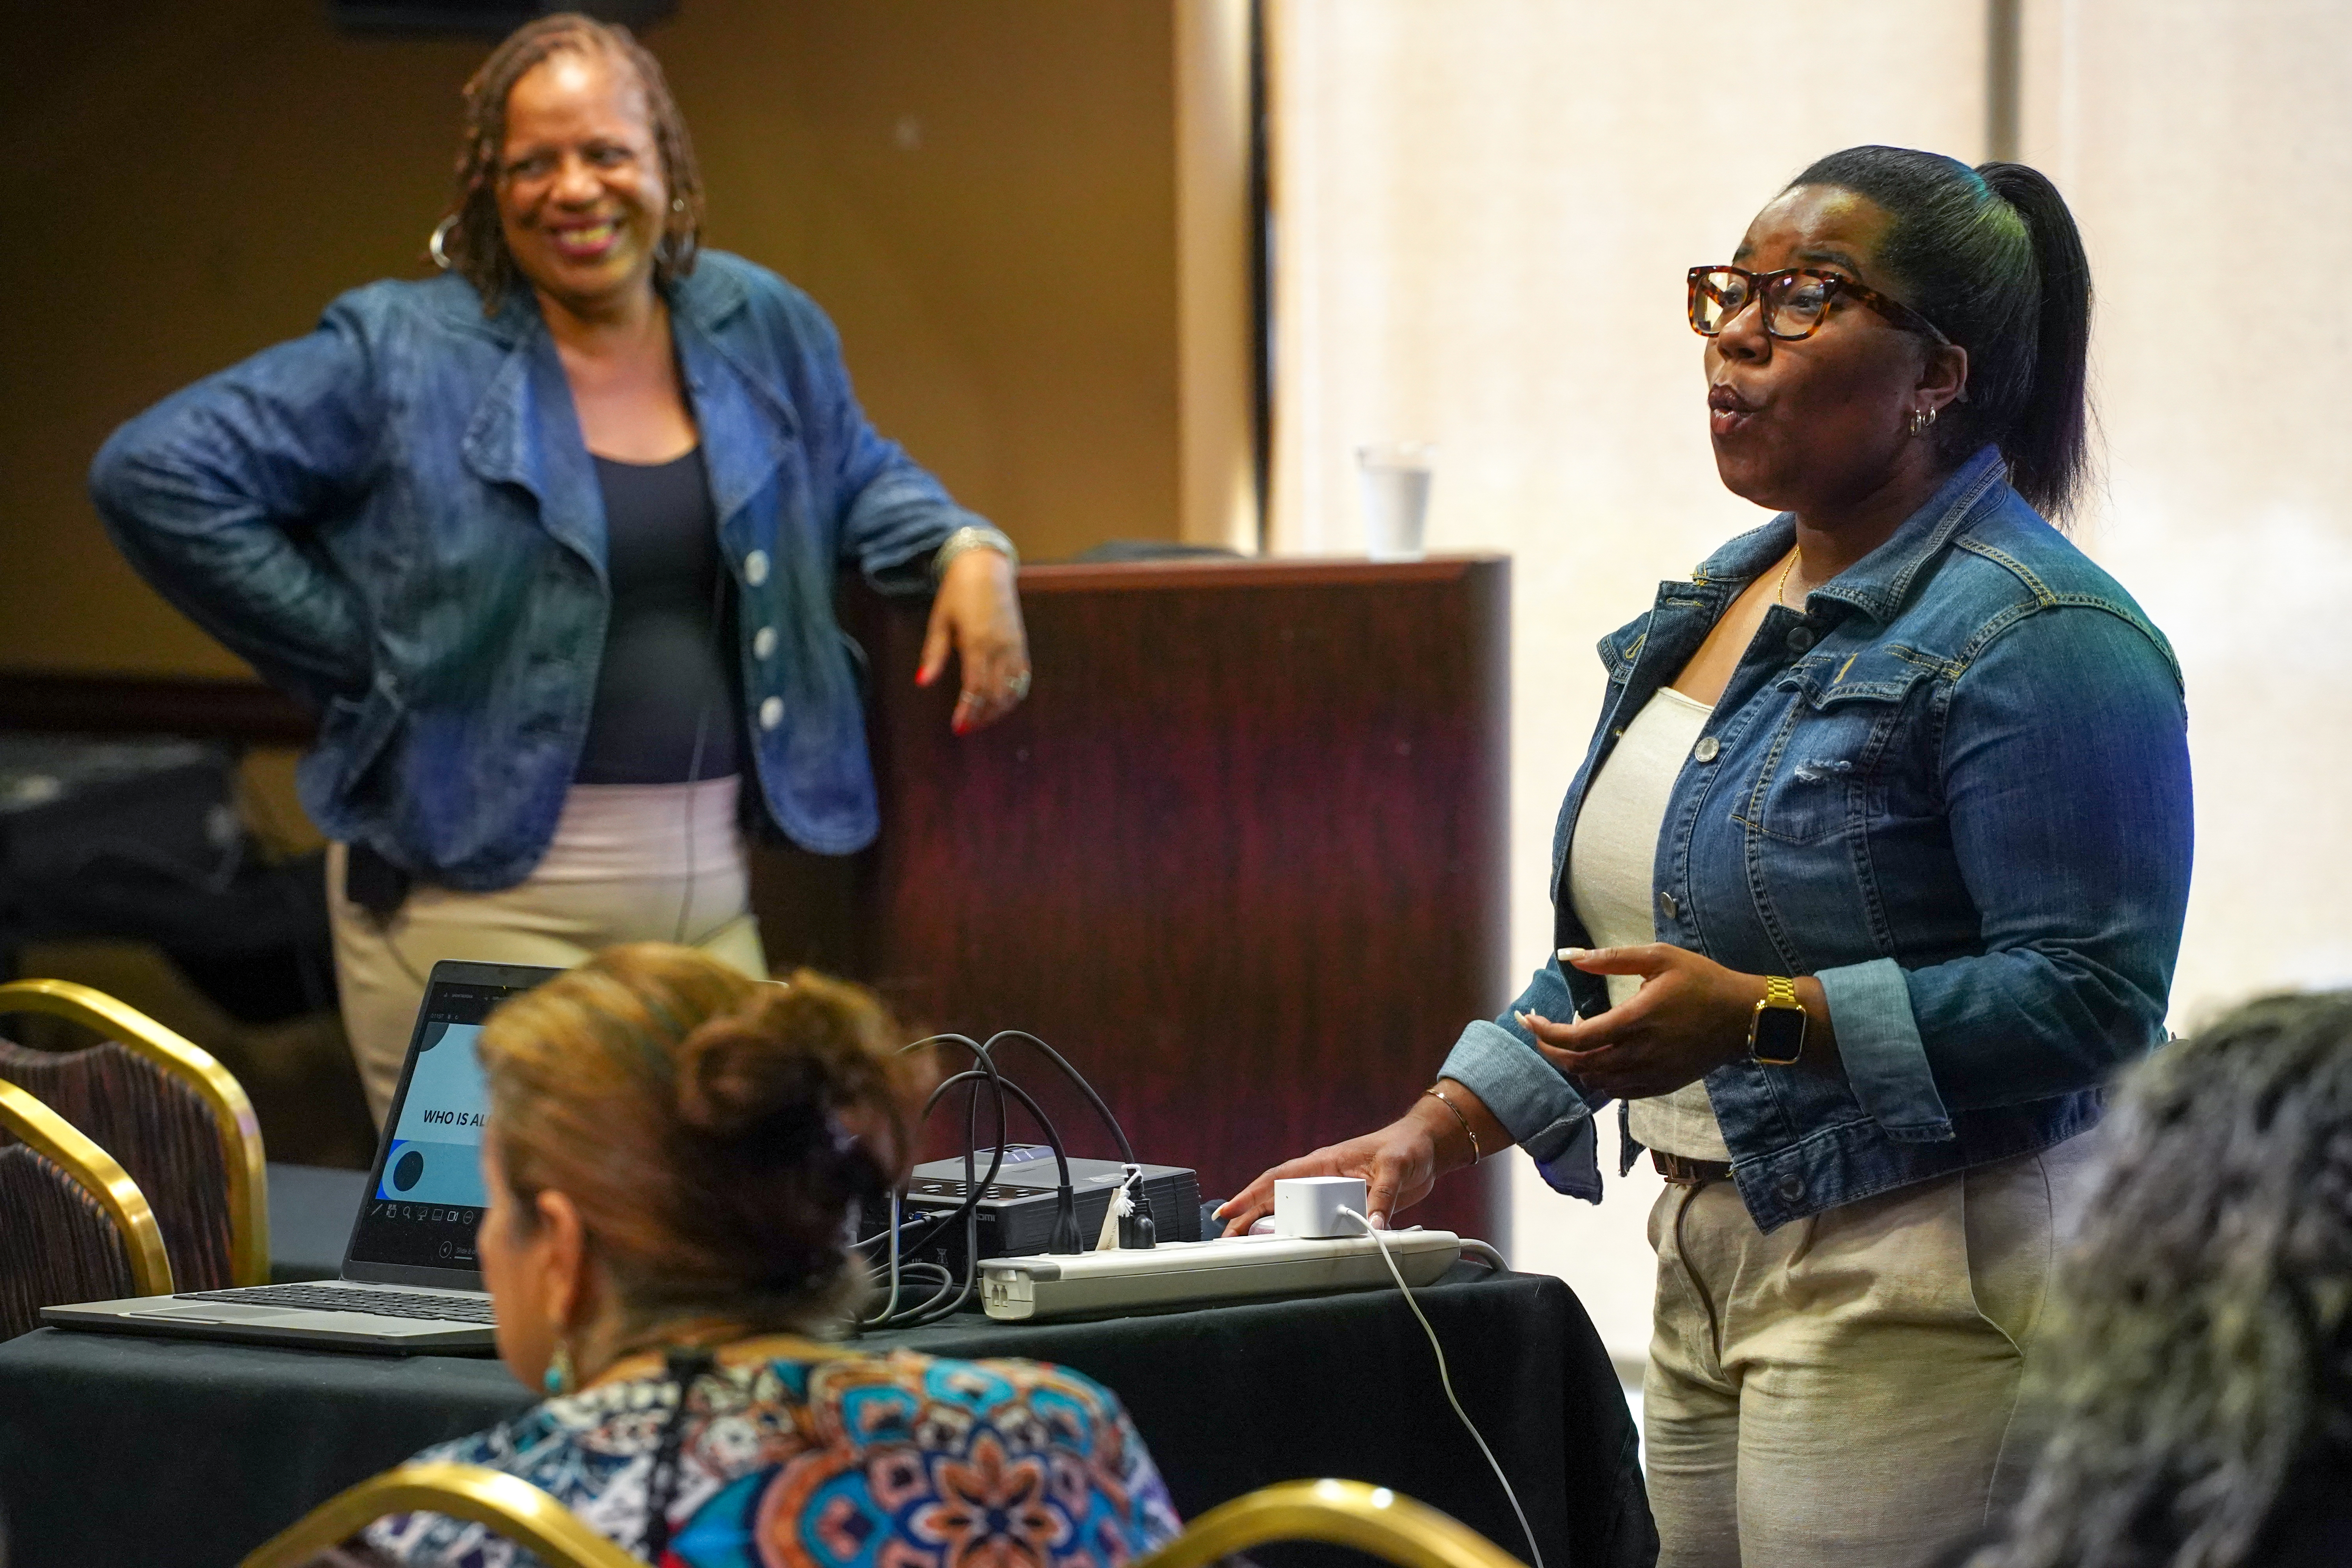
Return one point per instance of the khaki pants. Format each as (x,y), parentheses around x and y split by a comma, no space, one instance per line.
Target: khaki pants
(1843,1391)
(380,965)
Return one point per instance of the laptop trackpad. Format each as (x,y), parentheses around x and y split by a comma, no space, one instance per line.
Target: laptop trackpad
(214,1312)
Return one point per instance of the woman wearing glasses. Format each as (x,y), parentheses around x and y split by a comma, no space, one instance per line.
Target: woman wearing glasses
(1874,873)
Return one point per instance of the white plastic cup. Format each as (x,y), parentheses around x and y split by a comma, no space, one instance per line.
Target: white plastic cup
(1394,478)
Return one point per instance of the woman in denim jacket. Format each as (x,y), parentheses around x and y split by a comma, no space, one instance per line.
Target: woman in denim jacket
(1873,875)
(550,542)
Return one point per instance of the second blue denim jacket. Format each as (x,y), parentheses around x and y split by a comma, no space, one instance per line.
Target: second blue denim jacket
(1954,788)
(396,519)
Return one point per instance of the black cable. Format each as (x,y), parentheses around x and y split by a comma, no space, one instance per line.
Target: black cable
(969,1210)
(1136,1229)
(1066,1235)
(1126,1149)
(702,731)
(688,1365)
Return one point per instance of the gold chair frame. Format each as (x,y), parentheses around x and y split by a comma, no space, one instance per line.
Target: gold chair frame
(66,1147)
(1374,1519)
(240,1134)
(507,1504)
(1369,1518)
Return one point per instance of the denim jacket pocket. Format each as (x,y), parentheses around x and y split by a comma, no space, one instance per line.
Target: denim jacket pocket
(1822,773)
(355,731)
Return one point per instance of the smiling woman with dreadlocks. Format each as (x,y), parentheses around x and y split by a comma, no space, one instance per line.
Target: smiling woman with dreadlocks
(550,541)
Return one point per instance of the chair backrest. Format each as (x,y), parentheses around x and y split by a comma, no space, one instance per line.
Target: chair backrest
(507,1504)
(154,1125)
(73,1225)
(1372,1520)
(171,1113)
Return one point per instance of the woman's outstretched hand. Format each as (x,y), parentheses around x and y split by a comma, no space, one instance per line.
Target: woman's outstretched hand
(977,615)
(1398,1164)
(1690,1015)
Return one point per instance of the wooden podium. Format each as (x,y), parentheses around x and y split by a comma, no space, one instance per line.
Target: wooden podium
(1240,857)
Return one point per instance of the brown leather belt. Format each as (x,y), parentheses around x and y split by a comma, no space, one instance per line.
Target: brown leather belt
(1681,1172)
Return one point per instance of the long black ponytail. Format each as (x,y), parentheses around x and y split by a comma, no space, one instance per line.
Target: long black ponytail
(1992,257)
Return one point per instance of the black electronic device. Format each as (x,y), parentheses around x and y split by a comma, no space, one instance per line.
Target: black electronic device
(1016,1210)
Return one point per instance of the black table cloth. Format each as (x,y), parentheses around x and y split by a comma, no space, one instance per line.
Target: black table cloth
(128,1451)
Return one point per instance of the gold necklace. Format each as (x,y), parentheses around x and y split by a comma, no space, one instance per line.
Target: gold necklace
(1779,588)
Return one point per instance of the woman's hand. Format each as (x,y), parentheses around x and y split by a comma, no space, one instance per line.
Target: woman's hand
(977,615)
(1398,1164)
(1690,1015)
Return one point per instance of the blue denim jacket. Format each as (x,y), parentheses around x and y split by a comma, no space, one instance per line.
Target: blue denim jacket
(396,520)
(1954,789)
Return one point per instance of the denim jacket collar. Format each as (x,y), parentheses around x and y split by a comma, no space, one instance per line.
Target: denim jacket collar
(1880,581)
(517,434)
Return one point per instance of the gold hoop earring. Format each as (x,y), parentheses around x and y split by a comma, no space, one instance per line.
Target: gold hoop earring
(1922,421)
(440,233)
(558,1378)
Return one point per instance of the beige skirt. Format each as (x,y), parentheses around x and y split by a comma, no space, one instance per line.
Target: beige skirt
(629,863)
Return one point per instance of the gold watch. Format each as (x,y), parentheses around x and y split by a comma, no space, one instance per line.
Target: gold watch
(1776,1034)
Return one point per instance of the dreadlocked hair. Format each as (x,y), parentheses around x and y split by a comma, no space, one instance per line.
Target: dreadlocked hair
(2200,1359)
(470,238)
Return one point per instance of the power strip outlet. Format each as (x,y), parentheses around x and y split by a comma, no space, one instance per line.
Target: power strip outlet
(1177,1272)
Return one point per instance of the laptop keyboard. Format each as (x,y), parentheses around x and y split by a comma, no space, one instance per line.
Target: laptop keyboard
(344,1299)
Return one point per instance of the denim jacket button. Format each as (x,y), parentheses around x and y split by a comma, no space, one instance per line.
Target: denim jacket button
(1707,748)
(1666,902)
(771,712)
(1799,639)
(1790,1188)
(755,567)
(763,642)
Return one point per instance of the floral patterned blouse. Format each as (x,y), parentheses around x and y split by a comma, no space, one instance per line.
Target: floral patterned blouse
(843,1461)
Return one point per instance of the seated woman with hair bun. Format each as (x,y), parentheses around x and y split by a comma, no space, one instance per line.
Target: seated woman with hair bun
(670,1153)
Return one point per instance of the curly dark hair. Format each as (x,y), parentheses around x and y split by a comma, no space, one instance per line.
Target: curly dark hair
(469,239)
(2200,1359)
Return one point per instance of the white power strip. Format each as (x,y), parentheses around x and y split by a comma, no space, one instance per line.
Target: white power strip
(1178,1271)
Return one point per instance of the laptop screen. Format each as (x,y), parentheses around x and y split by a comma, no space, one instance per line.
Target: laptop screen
(426,1197)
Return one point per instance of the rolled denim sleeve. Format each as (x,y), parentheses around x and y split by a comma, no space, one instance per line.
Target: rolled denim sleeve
(892,514)
(1879,1044)
(1541,1109)
(2065,770)
(210,496)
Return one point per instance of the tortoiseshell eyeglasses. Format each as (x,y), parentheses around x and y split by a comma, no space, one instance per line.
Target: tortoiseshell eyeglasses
(1795,301)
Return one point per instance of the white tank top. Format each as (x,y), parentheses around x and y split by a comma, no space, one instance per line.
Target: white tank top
(1612,860)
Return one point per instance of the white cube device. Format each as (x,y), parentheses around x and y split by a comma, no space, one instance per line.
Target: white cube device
(1308,1206)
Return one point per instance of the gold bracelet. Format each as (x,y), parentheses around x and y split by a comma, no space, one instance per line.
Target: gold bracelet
(1434,1092)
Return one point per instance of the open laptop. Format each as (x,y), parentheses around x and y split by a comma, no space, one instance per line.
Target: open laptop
(410,1279)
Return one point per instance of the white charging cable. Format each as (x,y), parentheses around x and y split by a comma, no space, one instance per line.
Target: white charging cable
(1446,1378)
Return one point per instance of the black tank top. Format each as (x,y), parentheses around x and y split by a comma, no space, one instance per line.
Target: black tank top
(669,671)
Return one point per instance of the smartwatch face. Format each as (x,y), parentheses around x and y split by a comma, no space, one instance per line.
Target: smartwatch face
(1780,1035)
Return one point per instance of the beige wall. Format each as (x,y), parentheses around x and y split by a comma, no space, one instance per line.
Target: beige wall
(982,194)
